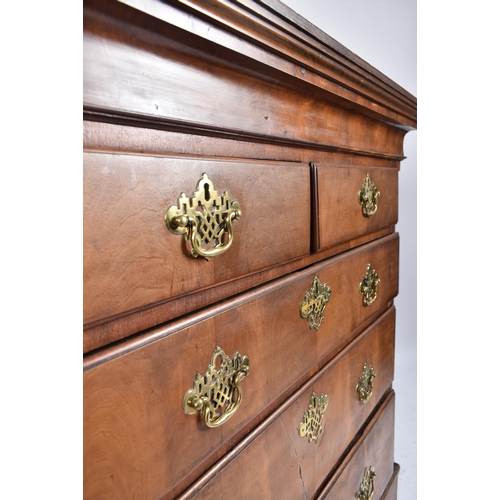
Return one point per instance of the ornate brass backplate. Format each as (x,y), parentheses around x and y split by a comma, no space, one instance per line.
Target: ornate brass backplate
(311,423)
(204,219)
(213,394)
(367,486)
(364,389)
(315,300)
(367,197)
(368,286)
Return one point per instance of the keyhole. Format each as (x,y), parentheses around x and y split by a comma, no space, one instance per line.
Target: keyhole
(207,192)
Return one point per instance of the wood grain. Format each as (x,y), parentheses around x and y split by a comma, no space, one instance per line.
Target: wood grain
(147,384)
(340,214)
(122,145)
(391,492)
(285,119)
(277,40)
(131,260)
(205,85)
(146,137)
(375,448)
(279,463)
(346,296)
(140,323)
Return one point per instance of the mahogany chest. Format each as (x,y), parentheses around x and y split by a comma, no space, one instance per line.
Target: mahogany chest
(240,255)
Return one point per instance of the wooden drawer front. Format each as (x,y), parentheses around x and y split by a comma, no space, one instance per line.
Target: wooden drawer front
(281,464)
(340,214)
(132,260)
(375,448)
(391,492)
(133,414)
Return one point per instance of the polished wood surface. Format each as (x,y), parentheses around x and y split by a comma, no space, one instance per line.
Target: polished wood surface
(167,79)
(132,260)
(189,90)
(278,463)
(154,140)
(391,492)
(148,382)
(375,448)
(127,143)
(122,328)
(289,122)
(343,316)
(340,214)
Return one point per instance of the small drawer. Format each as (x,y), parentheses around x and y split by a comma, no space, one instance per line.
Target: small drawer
(341,215)
(279,463)
(137,436)
(131,260)
(373,453)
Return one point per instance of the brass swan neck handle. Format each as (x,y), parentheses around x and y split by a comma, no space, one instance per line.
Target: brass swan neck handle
(217,394)
(205,218)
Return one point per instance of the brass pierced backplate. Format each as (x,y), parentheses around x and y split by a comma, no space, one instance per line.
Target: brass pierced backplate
(364,389)
(315,300)
(368,286)
(367,486)
(311,425)
(367,197)
(206,220)
(217,394)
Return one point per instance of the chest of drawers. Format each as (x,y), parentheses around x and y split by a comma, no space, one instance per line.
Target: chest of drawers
(240,255)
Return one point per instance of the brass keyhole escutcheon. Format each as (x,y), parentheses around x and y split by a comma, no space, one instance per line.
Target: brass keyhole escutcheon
(205,220)
(364,389)
(367,197)
(367,486)
(311,425)
(217,394)
(368,286)
(314,303)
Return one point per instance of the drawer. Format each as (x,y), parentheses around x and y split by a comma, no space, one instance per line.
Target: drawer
(374,449)
(340,213)
(391,492)
(279,462)
(131,260)
(133,416)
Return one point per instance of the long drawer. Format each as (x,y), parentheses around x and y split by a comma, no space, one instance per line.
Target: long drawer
(301,445)
(133,414)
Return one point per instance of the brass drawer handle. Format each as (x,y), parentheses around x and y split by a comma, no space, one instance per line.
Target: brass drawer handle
(213,393)
(368,286)
(204,219)
(367,486)
(311,425)
(314,303)
(364,389)
(367,197)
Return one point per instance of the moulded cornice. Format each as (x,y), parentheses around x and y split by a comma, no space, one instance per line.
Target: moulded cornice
(273,35)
